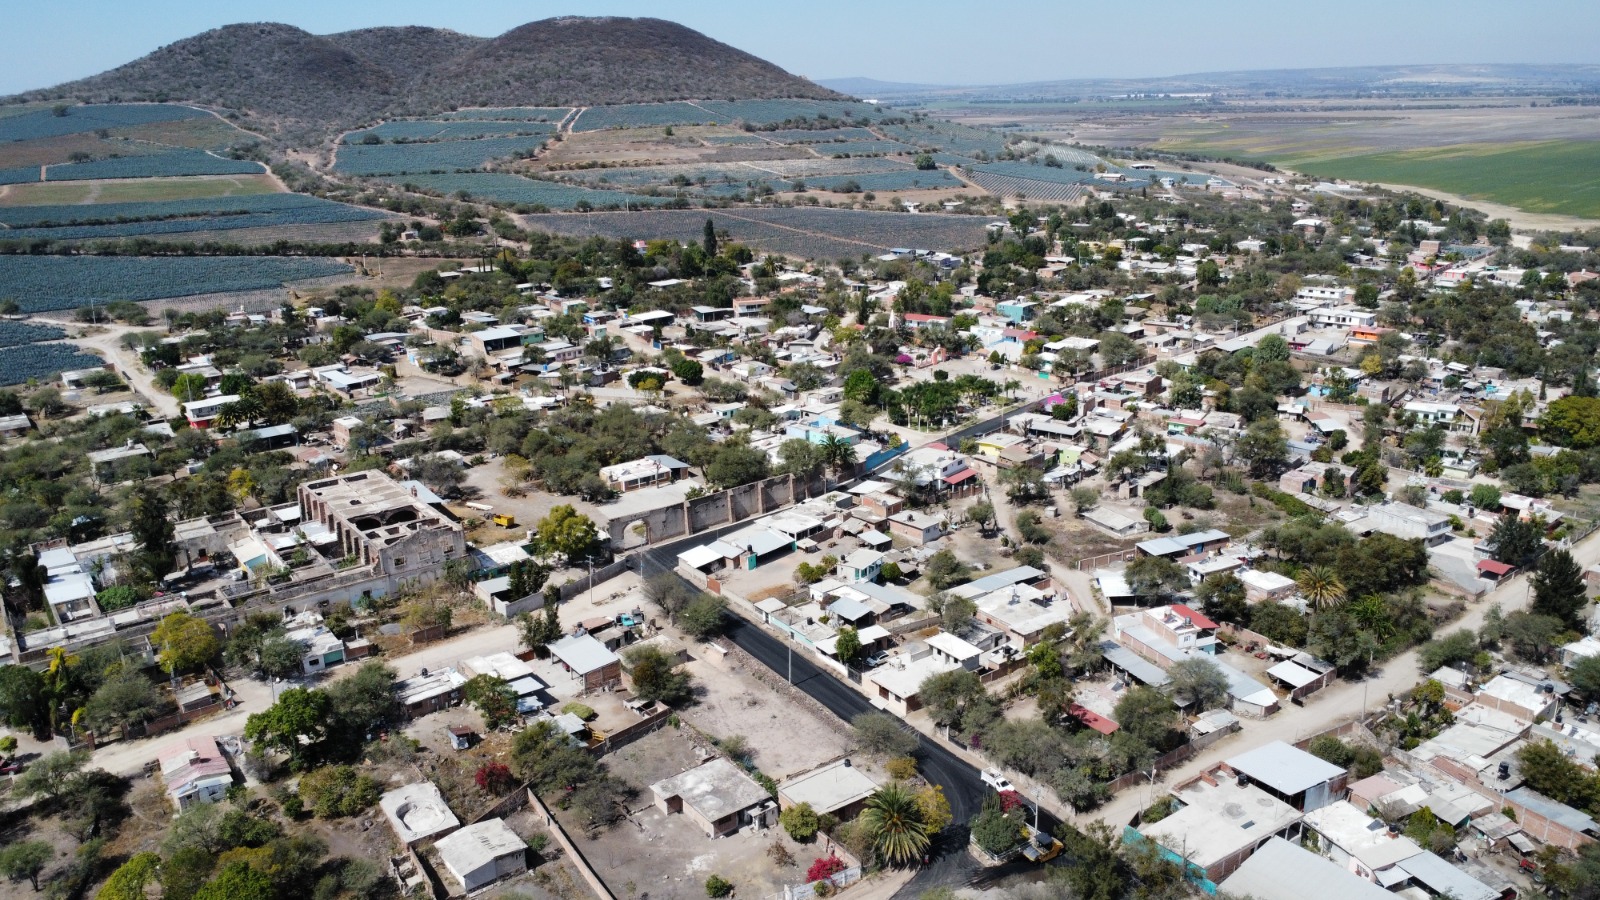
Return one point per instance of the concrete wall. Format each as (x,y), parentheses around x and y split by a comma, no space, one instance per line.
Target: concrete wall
(713,510)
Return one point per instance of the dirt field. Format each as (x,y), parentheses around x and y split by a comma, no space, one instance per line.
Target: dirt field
(137,190)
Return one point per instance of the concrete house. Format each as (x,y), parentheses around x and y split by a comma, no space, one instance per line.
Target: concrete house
(482,853)
(589,661)
(417,812)
(917,527)
(836,789)
(718,796)
(1293,776)
(195,771)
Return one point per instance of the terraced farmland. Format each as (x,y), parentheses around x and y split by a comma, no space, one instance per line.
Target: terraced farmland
(45,123)
(441,156)
(456,130)
(641,115)
(158,165)
(45,283)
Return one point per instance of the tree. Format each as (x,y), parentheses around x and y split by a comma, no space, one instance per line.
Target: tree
(1585,677)
(539,632)
(801,822)
(894,826)
(1338,638)
(493,698)
(1222,597)
(735,464)
(1155,576)
(689,371)
(994,831)
(1485,497)
(152,532)
(1515,541)
(717,886)
(957,700)
(23,701)
(1532,637)
(882,734)
(237,881)
(294,725)
(1454,649)
(848,645)
(838,454)
(53,775)
(124,698)
(981,513)
(26,860)
(934,807)
(129,880)
(1263,447)
(1559,590)
(709,239)
(1198,683)
(1083,499)
(957,614)
(280,657)
(184,642)
(337,791)
(704,616)
(363,703)
(1321,587)
(656,676)
(566,532)
(1146,716)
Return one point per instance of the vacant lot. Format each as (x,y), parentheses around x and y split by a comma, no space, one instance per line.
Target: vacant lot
(137,190)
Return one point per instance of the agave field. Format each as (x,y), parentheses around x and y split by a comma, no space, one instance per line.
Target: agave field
(863,148)
(642,115)
(45,283)
(118,220)
(16,334)
(455,130)
(19,364)
(512,114)
(439,156)
(499,187)
(22,175)
(812,233)
(157,165)
(820,135)
(962,140)
(752,112)
(1006,186)
(45,123)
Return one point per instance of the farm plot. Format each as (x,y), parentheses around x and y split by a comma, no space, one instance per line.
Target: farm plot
(772,112)
(45,283)
(46,123)
(138,190)
(19,364)
(172,163)
(1027,188)
(512,113)
(641,115)
(440,156)
(910,180)
(16,334)
(735,140)
(863,148)
(454,130)
(21,175)
(820,135)
(963,140)
(307,209)
(499,187)
(817,233)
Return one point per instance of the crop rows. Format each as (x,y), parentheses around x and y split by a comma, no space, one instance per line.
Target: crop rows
(455,130)
(550,114)
(514,189)
(820,135)
(814,233)
(959,139)
(78,119)
(45,283)
(310,209)
(641,115)
(16,334)
(811,168)
(440,156)
(733,140)
(1038,172)
(158,165)
(911,179)
(18,364)
(1007,186)
(769,112)
(21,175)
(860,148)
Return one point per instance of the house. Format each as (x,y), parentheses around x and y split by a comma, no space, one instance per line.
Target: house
(195,771)
(201,413)
(1261,585)
(482,853)
(1113,522)
(517,674)
(641,473)
(319,647)
(955,651)
(589,661)
(896,683)
(917,527)
(11,426)
(1182,545)
(1361,844)
(1280,870)
(1167,634)
(1021,612)
(718,796)
(836,789)
(1220,824)
(864,564)
(430,692)
(1526,698)
(383,524)
(1293,776)
(1404,521)
(417,812)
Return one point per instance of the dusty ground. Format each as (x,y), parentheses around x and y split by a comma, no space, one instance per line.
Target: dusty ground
(735,702)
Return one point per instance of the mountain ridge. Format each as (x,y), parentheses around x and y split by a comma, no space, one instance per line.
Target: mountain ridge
(297,81)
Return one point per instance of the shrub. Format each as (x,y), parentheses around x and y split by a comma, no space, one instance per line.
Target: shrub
(493,778)
(717,886)
(583,712)
(800,821)
(901,768)
(825,867)
(335,791)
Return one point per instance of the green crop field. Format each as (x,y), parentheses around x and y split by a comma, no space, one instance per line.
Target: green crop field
(138,190)
(1561,177)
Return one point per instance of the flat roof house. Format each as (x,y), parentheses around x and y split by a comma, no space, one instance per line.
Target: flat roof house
(423,694)
(195,771)
(1283,871)
(383,524)
(479,854)
(643,473)
(1292,775)
(718,796)
(589,661)
(201,413)
(837,789)
(417,812)
(1221,823)
(917,527)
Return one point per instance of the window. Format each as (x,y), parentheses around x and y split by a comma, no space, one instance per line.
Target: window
(399,562)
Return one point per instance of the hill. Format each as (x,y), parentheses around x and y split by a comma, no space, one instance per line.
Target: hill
(299,81)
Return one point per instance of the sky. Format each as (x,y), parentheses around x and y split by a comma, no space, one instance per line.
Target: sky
(46,42)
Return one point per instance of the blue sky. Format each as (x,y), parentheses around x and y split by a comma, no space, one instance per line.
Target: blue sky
(45,42)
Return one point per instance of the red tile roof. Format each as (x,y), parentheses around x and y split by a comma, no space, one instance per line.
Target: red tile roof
(1498,569)
(960,476)
(1093,719)
(1195,618)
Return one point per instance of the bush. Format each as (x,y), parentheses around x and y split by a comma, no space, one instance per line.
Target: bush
(717,886)
(995,832)
(824,867)
(493,778)
(335,791)
(801,822)
(578,709)
(901,768)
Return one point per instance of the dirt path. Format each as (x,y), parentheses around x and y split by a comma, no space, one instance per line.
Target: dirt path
(108,344)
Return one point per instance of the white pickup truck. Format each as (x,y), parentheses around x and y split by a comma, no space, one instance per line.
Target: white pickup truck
(994,779)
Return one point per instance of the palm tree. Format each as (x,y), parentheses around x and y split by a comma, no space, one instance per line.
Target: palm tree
(1321,586)
(838,454)
(895,825)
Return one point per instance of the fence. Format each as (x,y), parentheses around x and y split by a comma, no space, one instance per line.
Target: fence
(839,880)
(604,573)
(1094,562)
(579,861)
(625,736)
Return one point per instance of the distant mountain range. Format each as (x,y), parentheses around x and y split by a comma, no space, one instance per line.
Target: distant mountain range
(1447,79)
(301,80)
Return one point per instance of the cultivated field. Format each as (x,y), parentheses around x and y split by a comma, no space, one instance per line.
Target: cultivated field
(143,190)
(45,283)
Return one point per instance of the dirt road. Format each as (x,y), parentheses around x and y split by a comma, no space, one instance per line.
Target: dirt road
(107,342)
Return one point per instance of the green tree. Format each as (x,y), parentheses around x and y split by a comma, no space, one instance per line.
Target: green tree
(801,822)
(882,734)
(981,513)
(1155,577)
(1222,597)
(54,775)
(957,700)
(129,880)
(26,860)
(237,881)
(184,642)
(1198,683)
(1263,447)
(894,827)
(566,532)
(1559,590)
(1321,587)
(337,791)
(124,698)
(1585,677)
(152,532)
(493,698)
(1146,716)
(1515,541)
(23,700)
(848,645)
(735,464)
(295,724)
(656,676)
(994,831)
(704,617)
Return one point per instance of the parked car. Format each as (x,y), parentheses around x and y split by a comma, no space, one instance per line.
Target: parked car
(877,659)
